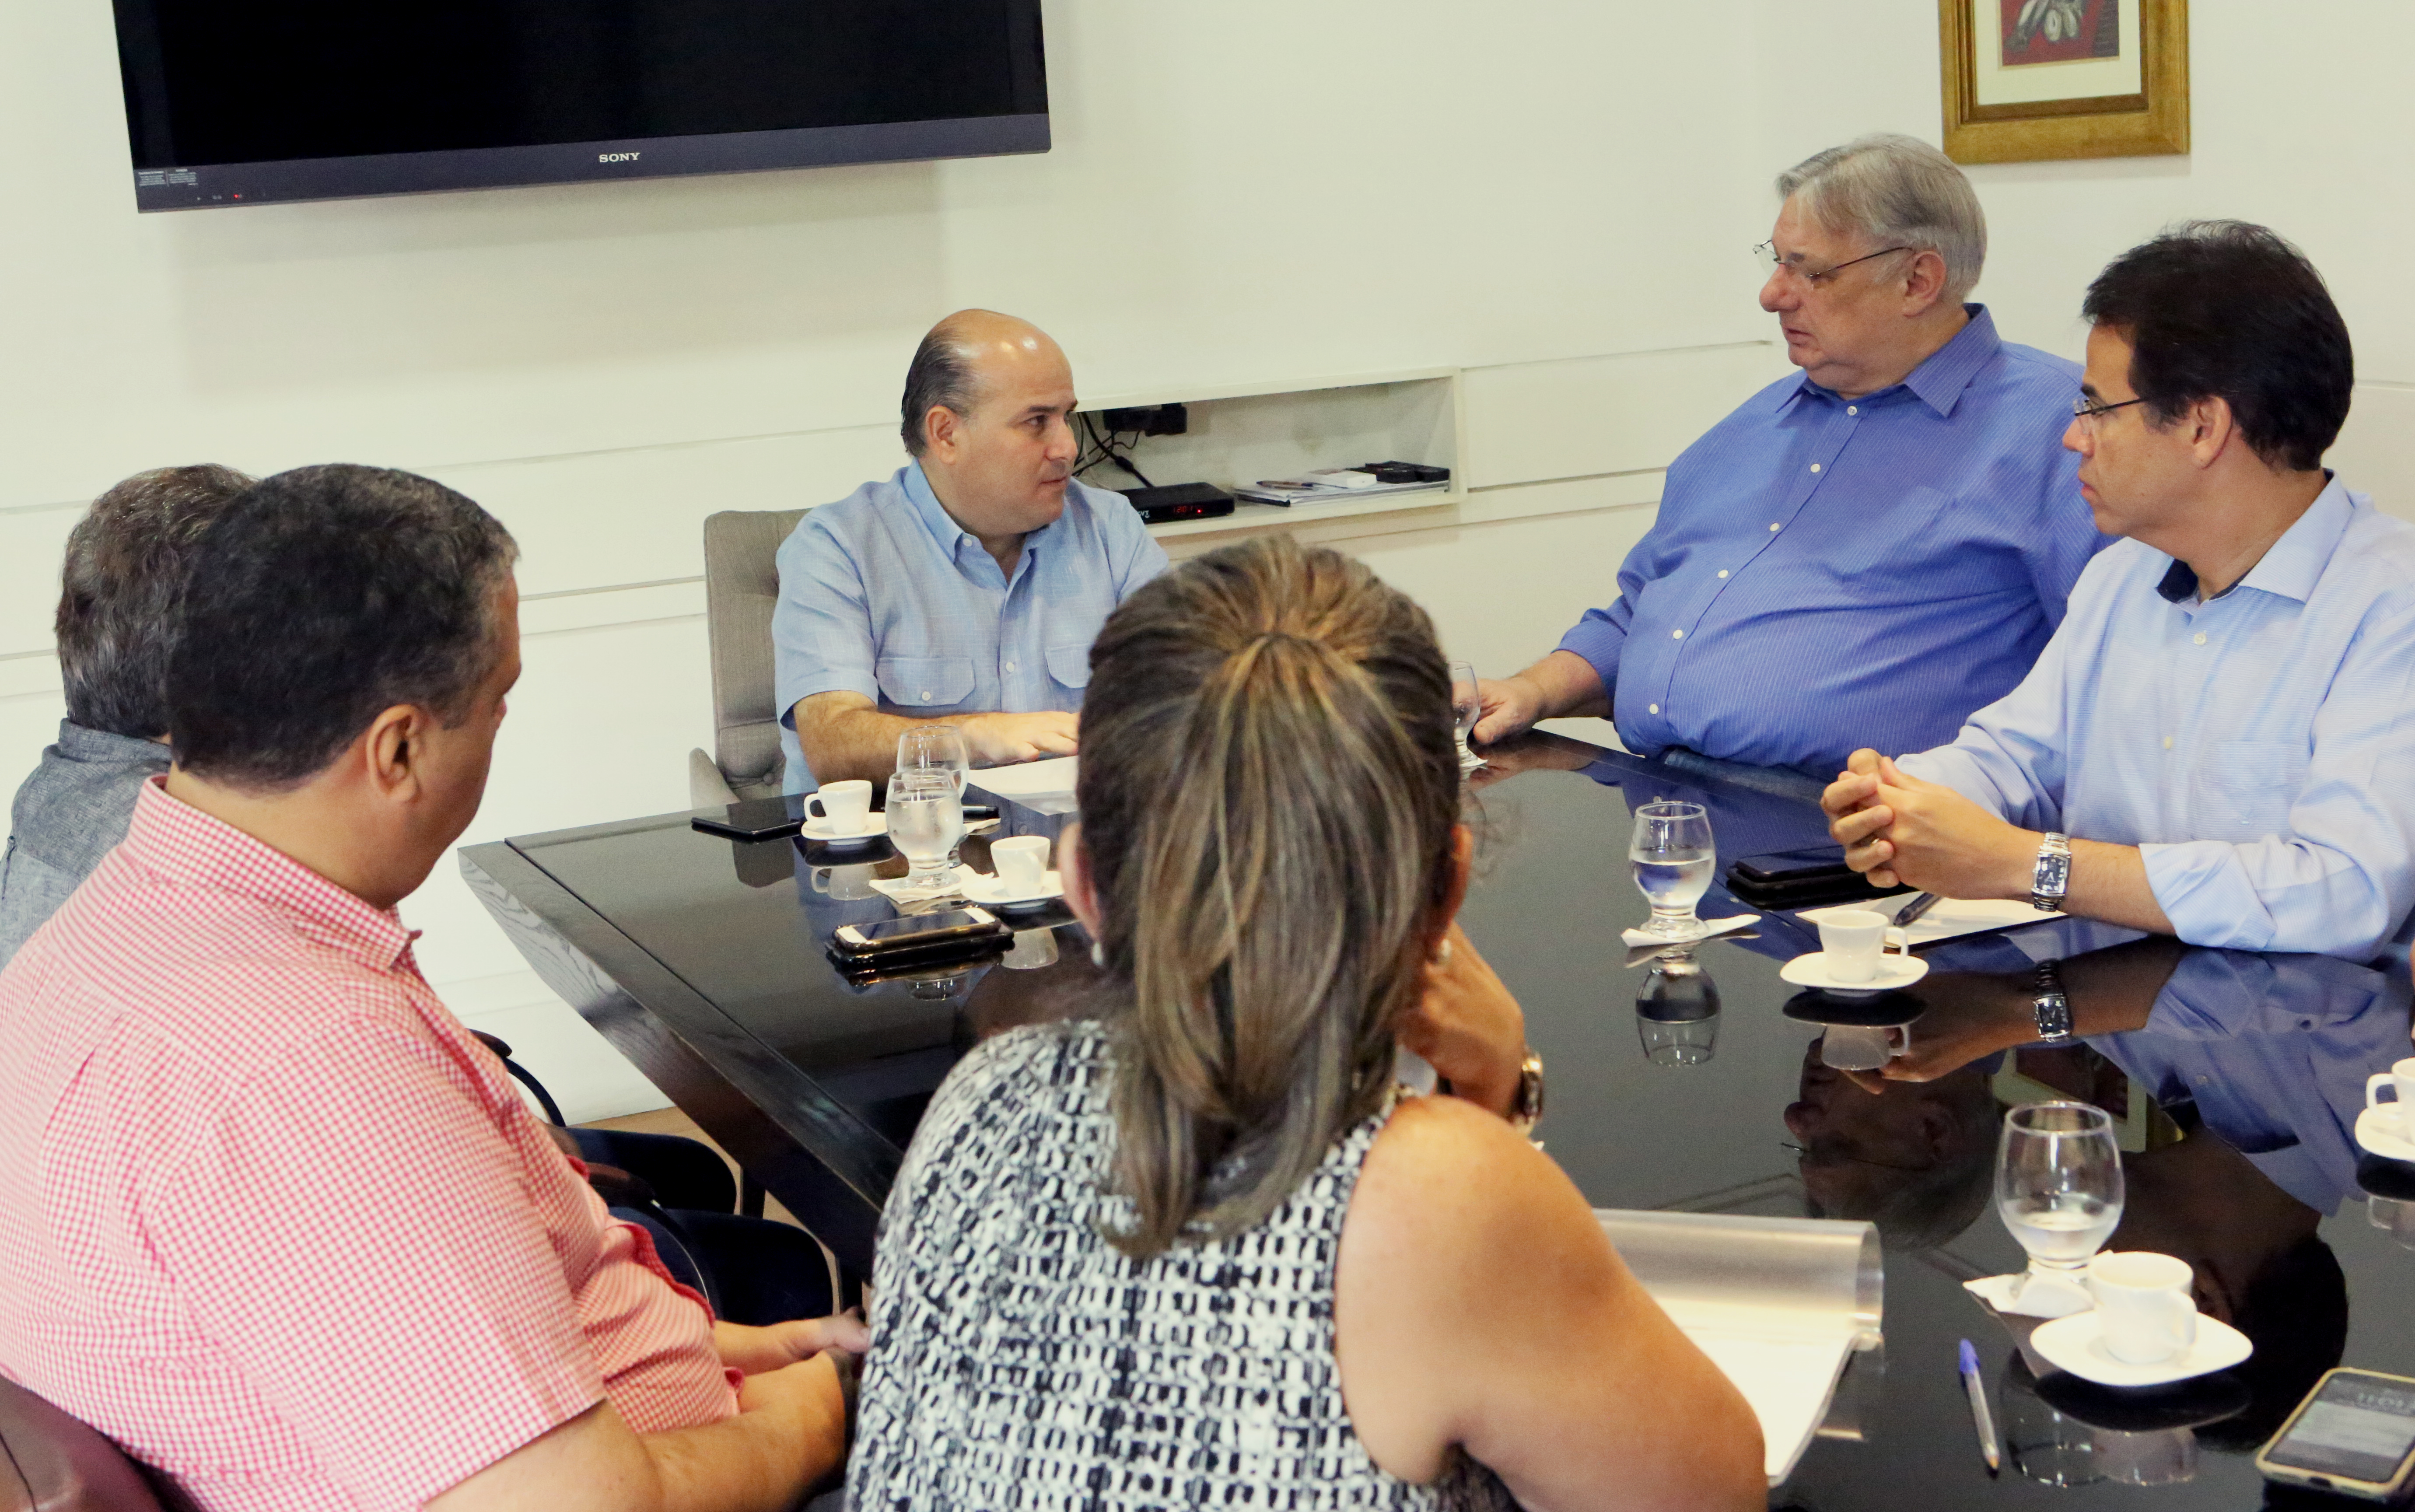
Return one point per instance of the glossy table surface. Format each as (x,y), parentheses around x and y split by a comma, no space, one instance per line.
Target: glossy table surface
(1694,1082)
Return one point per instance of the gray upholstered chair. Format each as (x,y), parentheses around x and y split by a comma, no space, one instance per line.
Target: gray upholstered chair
(741,586)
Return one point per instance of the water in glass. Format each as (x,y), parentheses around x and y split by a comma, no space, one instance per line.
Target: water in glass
(1466,708)
(927,820)
(937,748)
(1672,860)
(2058,1182)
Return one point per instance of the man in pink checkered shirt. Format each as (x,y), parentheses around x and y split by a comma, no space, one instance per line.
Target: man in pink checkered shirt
(270,1217)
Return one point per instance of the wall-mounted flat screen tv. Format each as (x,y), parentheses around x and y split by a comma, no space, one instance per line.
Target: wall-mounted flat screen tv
(234,102)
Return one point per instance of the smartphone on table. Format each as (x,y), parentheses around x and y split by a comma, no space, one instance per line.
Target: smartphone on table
(2354,1434)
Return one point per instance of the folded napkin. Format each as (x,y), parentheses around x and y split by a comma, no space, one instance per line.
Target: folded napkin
(2026,1293)
(1703,929)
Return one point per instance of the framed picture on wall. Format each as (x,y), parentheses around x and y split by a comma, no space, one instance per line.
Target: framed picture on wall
(2041,79)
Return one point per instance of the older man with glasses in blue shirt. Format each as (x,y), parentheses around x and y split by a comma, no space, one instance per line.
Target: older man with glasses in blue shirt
(2219,743)
(1874,547)
(966,588)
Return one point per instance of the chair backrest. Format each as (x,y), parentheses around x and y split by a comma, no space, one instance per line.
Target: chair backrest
(742,586)
(57,1463)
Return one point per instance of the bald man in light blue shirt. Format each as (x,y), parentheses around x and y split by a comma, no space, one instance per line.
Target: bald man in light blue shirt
(967,589)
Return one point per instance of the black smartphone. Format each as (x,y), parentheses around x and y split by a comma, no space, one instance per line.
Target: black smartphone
(1816,863)
(2354,1433)
(756,818)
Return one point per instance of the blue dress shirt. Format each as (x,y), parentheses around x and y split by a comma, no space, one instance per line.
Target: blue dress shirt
(1827,574)
(883,595)
(2259,747)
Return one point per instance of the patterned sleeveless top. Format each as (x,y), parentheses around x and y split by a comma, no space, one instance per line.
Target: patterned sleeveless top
(1019,1360)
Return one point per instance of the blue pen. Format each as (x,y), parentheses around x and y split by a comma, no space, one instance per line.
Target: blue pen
(1981,1419)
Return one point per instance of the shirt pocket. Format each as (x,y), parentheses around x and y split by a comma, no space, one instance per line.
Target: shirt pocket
(1068,666)
(2247,788)
(925,682)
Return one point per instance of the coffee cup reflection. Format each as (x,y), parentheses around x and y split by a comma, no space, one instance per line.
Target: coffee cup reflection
(847,884)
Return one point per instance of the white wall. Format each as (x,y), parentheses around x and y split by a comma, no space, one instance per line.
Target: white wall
(1574,189)
(2299,119)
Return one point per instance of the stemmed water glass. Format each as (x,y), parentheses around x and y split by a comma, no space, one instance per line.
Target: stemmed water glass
(1672,860)
(926,821)
(2059,1186)
(937,748)
(1466,708)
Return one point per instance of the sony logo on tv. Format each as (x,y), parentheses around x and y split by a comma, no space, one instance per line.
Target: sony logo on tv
(616,156)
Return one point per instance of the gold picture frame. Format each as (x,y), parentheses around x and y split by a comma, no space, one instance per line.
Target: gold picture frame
(1996,115)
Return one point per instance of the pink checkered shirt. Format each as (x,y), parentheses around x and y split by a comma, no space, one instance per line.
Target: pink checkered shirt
(272,1218)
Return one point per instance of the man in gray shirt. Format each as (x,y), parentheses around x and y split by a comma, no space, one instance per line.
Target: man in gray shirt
(118,599)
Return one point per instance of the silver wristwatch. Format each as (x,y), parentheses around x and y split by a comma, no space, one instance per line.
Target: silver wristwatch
(2052,878)
(2053,1007)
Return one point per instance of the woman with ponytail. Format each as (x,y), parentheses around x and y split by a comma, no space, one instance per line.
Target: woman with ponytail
(1198,1249)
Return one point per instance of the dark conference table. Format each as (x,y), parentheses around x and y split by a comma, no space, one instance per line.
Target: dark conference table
(2235,1077)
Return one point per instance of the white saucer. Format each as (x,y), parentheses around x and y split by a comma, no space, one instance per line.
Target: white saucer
(988,890)
(2074,1344)
(2380,1131)
(831,833)
(1893,971)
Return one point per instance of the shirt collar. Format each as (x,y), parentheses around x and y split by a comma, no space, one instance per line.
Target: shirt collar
(2295,563)
(950,536)
(181,842)
(82,742)
(1943,375)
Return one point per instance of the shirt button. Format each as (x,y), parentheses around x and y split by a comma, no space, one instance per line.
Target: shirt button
(2167,742)
(1815,467)
(1852,409)
(1723,571)
(926,696)
(1773,527)
(1010,667)
(1677,635)
(2199,638)
(1652,709)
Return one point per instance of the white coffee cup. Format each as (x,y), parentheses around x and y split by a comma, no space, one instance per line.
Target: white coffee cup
(2402,1076)
(1850,941)
(1022,862)
(1850,1047)
(846,804)
(2146,1310)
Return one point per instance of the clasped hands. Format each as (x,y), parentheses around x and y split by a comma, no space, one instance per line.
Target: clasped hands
(1901,832)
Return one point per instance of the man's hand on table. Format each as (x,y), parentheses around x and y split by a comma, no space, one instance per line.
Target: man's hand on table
(1467,1026)
(1003,740)
(1511,707)
(1899,831)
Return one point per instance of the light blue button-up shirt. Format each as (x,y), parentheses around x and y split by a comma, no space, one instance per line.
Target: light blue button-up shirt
(883,595)
(2274,1051)
(2258,748)
(1828,573)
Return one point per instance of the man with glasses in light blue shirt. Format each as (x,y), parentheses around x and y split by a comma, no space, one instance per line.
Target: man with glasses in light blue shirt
(2219,743)
(966,588)
(1868,551)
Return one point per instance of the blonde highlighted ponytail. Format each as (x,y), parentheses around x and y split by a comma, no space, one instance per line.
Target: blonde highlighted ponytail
(1267,789)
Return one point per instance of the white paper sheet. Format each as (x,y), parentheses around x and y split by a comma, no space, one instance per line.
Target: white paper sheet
(1949,919)
(1044,787)
(1777,1304)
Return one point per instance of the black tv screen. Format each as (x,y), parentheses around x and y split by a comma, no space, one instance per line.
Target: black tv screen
(249,101)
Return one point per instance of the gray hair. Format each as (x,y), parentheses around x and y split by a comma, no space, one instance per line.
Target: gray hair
(940,377)
(1896,192)
(121,591)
